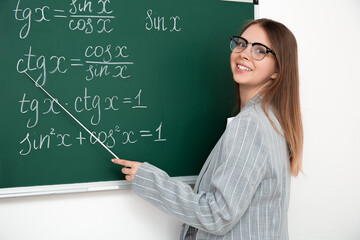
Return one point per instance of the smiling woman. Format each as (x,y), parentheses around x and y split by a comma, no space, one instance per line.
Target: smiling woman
(280,89)
(249,72)
(243,189)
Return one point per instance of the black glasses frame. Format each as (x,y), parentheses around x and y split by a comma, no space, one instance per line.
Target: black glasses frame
(268,50)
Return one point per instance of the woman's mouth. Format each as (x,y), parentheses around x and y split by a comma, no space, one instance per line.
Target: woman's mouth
(241,68)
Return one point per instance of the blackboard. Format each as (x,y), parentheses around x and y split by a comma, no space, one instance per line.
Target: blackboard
(151,79)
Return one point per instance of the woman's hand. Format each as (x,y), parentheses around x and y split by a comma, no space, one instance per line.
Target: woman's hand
(130,168)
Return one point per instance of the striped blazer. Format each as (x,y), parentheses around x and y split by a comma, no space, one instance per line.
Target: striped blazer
(242,191)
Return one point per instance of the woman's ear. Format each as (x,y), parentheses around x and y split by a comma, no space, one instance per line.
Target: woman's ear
(274,75)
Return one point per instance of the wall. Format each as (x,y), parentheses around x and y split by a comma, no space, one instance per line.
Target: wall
(324,201)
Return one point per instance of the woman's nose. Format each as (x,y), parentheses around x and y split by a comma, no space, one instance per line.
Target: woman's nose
(246,53)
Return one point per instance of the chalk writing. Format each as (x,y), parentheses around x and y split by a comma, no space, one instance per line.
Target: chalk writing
(103,61)
(162,24)
(92,103)
(32,62)
(27,15)
(98,61)
(82,16)
(33,141)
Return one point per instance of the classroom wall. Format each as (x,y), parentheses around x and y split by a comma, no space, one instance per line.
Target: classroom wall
(324,201)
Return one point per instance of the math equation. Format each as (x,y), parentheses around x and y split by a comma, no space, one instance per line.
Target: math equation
(106,60)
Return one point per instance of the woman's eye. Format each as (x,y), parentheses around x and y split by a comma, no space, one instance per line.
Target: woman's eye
(261,50)
(242,44)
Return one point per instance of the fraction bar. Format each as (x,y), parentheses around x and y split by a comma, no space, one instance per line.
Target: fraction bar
(91,16)
(113,63)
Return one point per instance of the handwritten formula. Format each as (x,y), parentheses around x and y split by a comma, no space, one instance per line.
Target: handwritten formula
(103,61)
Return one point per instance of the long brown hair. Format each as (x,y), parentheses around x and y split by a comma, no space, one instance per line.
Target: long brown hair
(283,92)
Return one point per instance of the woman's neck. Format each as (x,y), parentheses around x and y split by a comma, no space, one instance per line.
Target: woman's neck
(246,95)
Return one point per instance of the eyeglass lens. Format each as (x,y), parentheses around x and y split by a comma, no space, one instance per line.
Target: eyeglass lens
(238,45)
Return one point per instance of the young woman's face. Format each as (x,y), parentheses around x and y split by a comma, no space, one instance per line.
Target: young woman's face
(248,72)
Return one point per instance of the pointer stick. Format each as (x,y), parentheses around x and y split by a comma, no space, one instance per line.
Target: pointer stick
(55,100)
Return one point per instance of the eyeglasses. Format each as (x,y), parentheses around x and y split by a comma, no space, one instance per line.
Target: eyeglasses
(258,50)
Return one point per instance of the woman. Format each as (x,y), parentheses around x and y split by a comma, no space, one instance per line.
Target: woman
(242,191)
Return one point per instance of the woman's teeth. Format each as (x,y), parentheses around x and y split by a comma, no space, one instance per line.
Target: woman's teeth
(243,68)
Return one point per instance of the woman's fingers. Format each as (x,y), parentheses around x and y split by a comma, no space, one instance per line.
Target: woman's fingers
(123,162)
(129,177)
(130,168)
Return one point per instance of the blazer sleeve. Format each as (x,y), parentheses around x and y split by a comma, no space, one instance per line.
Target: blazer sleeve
(240,169)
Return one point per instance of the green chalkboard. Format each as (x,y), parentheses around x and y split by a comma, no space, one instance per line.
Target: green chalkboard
(150,78)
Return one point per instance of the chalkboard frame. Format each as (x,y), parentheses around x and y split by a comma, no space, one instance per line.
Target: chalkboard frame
(75,188)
